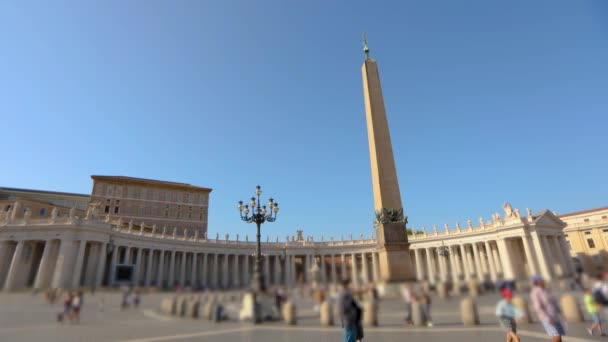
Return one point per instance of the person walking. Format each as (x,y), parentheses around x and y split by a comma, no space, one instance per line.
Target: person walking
(406,293)
(348,312)
(425,305)
(547,309)
(593,310)
(76,305)
(506,312)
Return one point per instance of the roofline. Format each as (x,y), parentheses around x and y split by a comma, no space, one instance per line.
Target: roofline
(583,211)
(45,192)
(153,181)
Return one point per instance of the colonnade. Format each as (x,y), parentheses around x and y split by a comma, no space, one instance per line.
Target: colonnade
(515,258)
(71,264)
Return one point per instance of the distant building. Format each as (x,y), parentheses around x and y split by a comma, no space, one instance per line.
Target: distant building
(40,202)
(587,236)
(173,205)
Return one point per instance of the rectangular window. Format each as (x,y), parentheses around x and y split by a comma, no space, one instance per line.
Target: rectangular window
(130,192)
(190,198)
(591,243)
(586,220)
(109,190)
(179,196)
(605,230)
(42,211)
(116,210)
(155,195)
(142,211)
(604,217)
(201,217)
(107,209)
(142,194)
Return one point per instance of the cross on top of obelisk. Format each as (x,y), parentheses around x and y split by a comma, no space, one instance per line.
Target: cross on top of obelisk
(365,47)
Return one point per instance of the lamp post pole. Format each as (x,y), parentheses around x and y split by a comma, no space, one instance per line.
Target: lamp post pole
(259,215)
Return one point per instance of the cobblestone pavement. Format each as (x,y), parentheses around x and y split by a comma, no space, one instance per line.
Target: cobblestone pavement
(26,317)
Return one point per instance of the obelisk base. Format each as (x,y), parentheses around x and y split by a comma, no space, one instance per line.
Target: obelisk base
(395,269)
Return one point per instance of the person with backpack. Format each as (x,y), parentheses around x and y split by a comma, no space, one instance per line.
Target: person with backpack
(599,293)
(349,312)
(593,310)
(547,309)
(506,312)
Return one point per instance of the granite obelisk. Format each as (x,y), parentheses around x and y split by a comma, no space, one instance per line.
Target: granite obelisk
(393,247)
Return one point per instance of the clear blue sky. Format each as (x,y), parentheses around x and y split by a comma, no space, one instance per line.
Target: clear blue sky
(487,102)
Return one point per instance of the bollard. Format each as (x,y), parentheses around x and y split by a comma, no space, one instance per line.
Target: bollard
(571,309)
(181,306)
(418,317)
(473,288)
(442,290)
(327,317)
(289,313)
(522,305)
(370,313)
(565,284)
(192,308)
(468,311)
(456,288)
(167,305)
(209,309)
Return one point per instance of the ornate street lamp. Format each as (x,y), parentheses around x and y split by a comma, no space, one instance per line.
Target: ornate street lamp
(259,214)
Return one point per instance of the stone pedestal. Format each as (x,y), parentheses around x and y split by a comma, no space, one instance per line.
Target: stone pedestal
(259,306)
(192,308)
(209,309)
(474,289)
(418,317)
(522,305)
(289,313)
(326,311)
(181,306)
(571,309)
(168,306)
(442,290)
(468,311)
(370,313)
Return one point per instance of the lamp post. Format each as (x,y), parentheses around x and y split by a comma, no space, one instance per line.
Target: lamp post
(259,215)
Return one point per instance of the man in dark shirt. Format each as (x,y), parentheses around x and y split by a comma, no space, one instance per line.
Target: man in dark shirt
(348,312)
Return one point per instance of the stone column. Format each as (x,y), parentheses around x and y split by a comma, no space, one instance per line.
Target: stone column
(138,267)
(204,279)
(113,262)
(465,265)
(530,255)
(479,273)
(39,283)
(557,251)
(246,271)
(171,279)
(497,262)
(491,263)
(323,270)
(149,267)
(429,261)
(79,260)
(161,264)
(267,270)
(194,276)
(333,269)
(182,270)
(10,283)
(505,257)
(566,252)
(235,265)
(225,271)
(353,257)
(101,264)
(454,272)
(343,266)
(543,263)
(418,257)
(364,268)
(375,266)
(277,270)
(127,255)
(549,257)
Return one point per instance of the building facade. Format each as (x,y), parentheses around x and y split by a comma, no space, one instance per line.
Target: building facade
(587,235)
(176,206)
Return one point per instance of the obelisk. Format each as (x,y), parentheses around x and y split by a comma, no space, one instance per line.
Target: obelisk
(393,247)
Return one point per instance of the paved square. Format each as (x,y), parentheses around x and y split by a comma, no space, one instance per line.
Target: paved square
(26,317)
